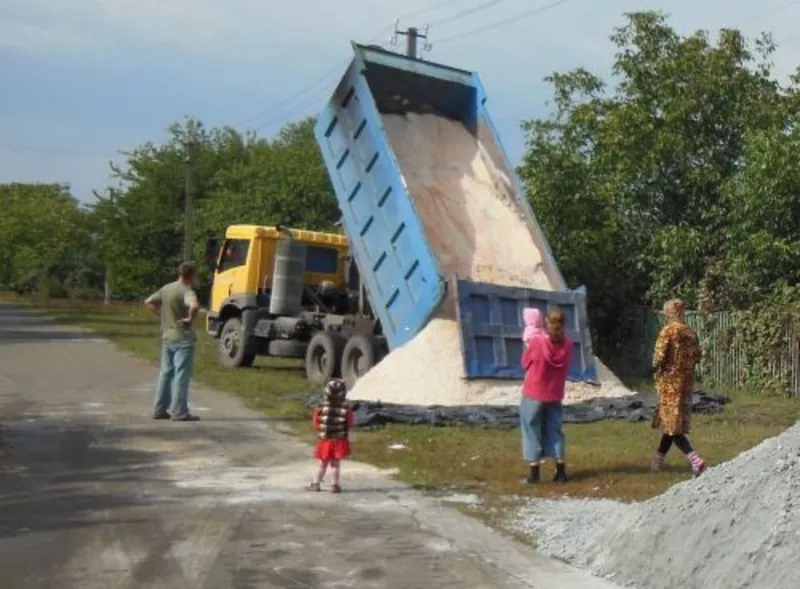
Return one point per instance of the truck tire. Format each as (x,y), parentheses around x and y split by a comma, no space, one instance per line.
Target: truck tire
(359,356)
(324,357)
(232,350)
(287,348)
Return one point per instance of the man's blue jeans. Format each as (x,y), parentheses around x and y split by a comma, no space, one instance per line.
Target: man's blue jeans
(172,390)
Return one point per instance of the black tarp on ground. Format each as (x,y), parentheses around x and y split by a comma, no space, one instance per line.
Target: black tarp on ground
(637,407)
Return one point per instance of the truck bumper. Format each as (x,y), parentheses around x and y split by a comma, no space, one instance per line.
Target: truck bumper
(213,324)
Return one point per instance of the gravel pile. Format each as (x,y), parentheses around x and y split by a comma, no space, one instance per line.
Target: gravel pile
(554,523)
(736,527)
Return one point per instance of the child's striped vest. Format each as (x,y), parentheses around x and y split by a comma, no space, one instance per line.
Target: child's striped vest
(332,422)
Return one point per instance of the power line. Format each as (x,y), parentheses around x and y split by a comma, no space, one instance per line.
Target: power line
(305,102)
(766,12)
(292,97)
(433,8)
(737,25)
(501,23)
(780,42)
(17,147)
(312,85)
(463,13)
(305,89)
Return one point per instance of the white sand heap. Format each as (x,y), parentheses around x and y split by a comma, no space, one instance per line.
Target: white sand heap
(479,232)
(736,527)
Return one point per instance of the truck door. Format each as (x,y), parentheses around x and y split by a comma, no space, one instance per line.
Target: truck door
(231,275)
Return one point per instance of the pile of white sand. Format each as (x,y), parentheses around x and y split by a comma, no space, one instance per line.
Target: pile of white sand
(479,232)
(736,527)
(429,370)
(468,209)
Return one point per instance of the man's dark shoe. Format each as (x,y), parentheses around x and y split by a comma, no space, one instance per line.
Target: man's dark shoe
(187,417)
(161,415)
(561,474)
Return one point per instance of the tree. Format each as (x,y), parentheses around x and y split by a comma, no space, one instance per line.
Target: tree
(639,185)
(43,235)
(278,181)
(240,178)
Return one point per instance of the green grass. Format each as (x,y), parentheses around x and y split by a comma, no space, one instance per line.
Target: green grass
(606,459)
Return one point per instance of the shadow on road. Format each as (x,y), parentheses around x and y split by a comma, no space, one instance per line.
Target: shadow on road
(10,336)
(56,475)
(7,310)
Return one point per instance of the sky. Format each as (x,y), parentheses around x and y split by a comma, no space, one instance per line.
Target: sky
(83,79)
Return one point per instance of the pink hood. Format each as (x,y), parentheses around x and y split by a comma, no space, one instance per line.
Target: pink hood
(533,324)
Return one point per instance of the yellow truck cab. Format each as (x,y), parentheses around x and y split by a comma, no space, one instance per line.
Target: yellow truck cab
(291,293)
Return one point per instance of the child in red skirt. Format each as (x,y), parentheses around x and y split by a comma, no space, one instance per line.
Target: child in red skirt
(334,422)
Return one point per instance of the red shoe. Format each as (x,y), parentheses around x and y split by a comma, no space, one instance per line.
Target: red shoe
(699,465)
(699,469)
(336,489)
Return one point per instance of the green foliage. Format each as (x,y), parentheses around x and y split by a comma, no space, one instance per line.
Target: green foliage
(677,181)
(278,181)
(239,179)
(766,335)
(133,234)
(44,240)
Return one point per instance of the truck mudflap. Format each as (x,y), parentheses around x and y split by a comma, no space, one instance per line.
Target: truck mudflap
(490,325)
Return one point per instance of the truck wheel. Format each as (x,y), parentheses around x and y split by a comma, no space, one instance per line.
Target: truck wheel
(232,348)
(358,358)
(324,357)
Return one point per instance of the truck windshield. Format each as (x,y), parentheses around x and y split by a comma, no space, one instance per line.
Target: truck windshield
(234,254)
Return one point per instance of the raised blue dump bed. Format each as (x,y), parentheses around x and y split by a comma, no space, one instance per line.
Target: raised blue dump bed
(400,270)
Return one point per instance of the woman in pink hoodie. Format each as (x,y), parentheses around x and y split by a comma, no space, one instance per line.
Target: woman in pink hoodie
(546,362)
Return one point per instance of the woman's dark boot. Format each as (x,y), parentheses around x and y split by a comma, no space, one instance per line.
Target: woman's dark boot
(561,473)
(533,475)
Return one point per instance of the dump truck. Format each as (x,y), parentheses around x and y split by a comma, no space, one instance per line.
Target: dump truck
(291,299)
(291,293)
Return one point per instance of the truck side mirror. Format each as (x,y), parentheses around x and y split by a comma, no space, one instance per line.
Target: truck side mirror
(212,249)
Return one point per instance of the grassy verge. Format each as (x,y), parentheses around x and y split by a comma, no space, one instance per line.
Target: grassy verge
(607,459)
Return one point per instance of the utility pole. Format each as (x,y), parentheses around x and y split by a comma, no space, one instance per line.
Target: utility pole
(412,35)
(189,189)
(107,270)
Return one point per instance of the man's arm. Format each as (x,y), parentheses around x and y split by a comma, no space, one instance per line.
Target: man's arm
(190,300)
(153,302)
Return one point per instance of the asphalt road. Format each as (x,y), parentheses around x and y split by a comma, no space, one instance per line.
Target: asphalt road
(96,495)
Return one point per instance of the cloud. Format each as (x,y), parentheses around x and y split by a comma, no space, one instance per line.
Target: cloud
(44,39)
(118,25)
(230,61)
(228,29)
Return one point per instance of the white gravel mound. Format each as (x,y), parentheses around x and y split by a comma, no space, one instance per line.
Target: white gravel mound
(735,527)
(554,523)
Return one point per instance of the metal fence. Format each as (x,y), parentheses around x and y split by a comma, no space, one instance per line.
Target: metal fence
(725,361)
